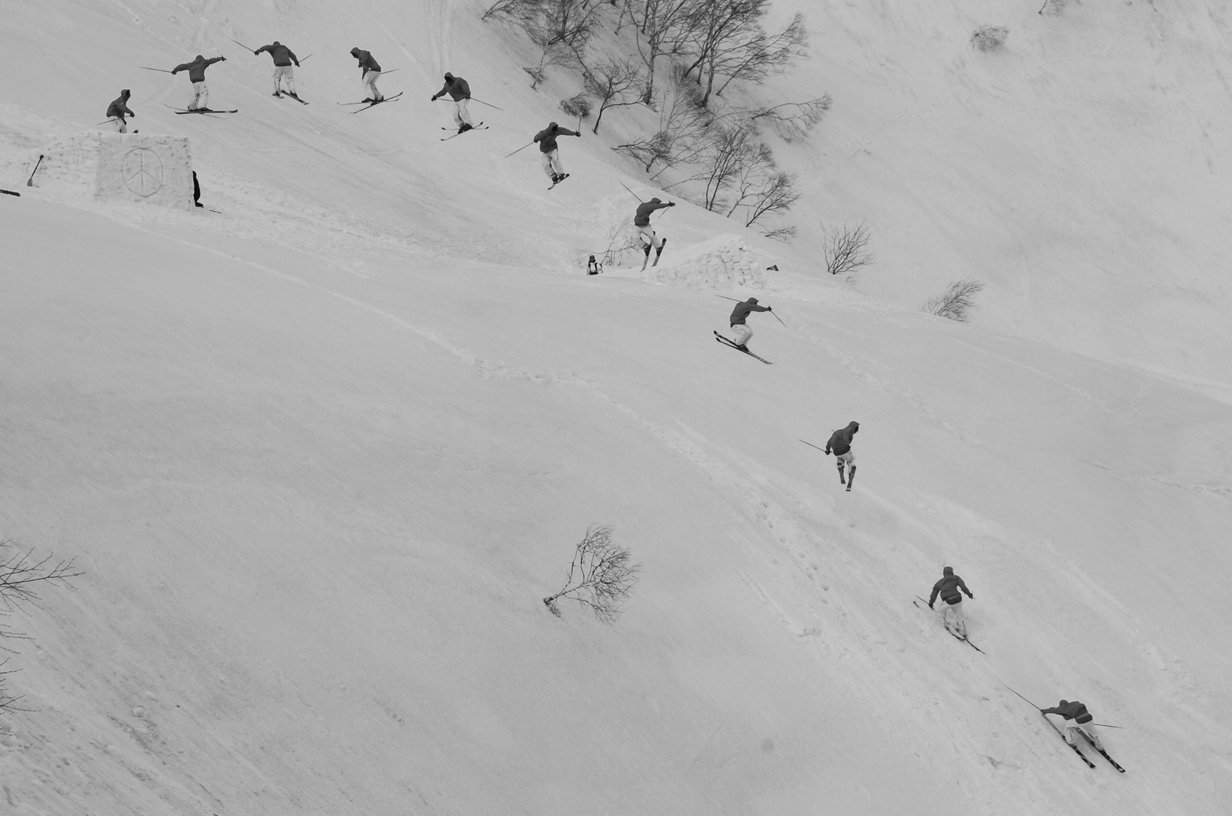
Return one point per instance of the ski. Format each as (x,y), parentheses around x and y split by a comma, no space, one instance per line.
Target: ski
(1074,748)
(292,96)
(920,601)
(1102,753)
(559,179)
(728,342)
(202,110)
(457,133)
(10,192)
(659,252)
(374,104)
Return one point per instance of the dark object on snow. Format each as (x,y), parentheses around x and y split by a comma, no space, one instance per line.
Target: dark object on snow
(593,267)
(30,181)
(196,190)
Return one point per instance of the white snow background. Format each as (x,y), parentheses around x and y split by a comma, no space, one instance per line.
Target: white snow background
(321,455)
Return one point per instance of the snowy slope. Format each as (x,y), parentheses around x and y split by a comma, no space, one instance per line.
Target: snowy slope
(320,456)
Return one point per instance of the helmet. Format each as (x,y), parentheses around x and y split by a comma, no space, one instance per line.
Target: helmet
(448,75)
(200,57)
(277,43)
(752,301)
(354,50)
(1064,702)
(126,92)
(947,571)
(552,126)
(656,201)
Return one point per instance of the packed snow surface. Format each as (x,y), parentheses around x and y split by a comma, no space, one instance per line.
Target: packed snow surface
(320,450)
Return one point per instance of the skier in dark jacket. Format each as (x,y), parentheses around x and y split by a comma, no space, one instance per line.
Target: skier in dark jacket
(371,71)
(118,109)
(1077,719)
(551,155)
(196,75)
(641,220)
(739,315)
(460,92)
(283,57)
(948,588)
(840,446)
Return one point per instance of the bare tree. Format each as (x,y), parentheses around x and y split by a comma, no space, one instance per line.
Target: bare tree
(733,155)
(761,55)
(663,25)
(793,120)
(683,136)
(776,194)
(611,82)
(956,301)
(846,249)
(726,38)
(21,576)
(560,28)
(601,576)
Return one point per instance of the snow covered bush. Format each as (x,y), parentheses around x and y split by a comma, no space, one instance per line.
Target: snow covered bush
(601,576)
(846,249)
(20,576)
(578,106)
(989,38)
(956,301)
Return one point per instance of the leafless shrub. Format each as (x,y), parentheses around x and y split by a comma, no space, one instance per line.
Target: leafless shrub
(576,106)
(560,29)
(683,135)
(1053,7)
(615,82)
(989,38)
(793,120)
(21,576)
(601,576)
(846,249)
(956,301)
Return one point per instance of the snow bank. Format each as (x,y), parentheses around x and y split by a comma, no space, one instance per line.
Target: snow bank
(719,263)
(114,166)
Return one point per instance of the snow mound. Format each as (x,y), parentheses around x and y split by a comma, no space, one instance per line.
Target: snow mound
(114,166)
(719,263)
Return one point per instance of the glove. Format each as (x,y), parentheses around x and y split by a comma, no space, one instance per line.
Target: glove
(578,135)
(433,99)
(930,606)
(258,53)
(969,595)
(224,59)
(769,308)
(671,203)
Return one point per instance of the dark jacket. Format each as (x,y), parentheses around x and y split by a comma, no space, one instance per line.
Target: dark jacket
(366,62)
(642,217)
(840,440)
(547,137)
(282,55)
(948,588)
(119,108)
(742,310)
(1071,711)
(196,68)
(456,87)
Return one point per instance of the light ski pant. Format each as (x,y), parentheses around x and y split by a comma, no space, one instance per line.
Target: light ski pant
(1071,735)
(121,125)
(284,72)
(369,82)
(460,114)
(201,96)
(647,234)
(952,617)
(552,165)
(743,334)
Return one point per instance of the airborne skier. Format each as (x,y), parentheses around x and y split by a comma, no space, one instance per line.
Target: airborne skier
(460,92)
(196,75)
(551,154)
(118,109)
(738,317)
(641,220)
(283,57)
(371,72)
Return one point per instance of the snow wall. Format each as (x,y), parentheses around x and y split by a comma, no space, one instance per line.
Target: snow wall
(720,263)
(114,166)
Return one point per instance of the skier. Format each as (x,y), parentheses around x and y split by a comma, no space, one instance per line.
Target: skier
(196,190)
(641,220)
(948,588)
(460,92)
(118,109)
(196,75)
(840,445)
(1077,718)
(283,57)
(739,315)
(371,71)
(551,155)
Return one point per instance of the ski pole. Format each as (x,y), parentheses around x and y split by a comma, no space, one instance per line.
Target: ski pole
(30,181)
(811,445)
(305,59)
(734,300)
(241,45)
(489,104)
(160,70)
(1024,699)
(639,201)
(520,149)
(9,192)
(1107,725)
(779,319)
